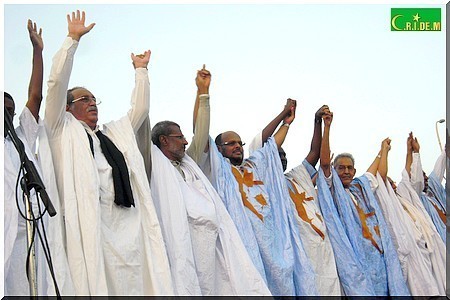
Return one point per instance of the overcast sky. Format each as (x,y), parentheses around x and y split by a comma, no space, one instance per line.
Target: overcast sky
(377,82)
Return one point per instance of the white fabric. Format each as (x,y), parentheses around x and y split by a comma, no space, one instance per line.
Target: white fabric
(15,246)
(206,253)
(318,249)
(435,245)
(111,250)
(402,219)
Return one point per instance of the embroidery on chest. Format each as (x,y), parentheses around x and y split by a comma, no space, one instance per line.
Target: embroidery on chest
(299,200)
(247,180)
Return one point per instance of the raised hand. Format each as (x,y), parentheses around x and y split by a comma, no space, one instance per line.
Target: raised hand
(203,80)
(414,144)
(76,25)
(321,111)
(327,118)
(289,109)
(35,37)
(141,60)
(386,144)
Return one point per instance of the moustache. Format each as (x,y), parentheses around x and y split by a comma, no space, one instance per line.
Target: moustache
(92,108)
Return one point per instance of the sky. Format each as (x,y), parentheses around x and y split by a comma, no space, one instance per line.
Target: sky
(378,83)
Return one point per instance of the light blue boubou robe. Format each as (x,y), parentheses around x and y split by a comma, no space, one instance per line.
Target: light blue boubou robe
(368,266)
(262,221)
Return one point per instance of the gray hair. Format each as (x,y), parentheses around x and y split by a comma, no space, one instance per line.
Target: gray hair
(162,128)
(344,155)
(70,97)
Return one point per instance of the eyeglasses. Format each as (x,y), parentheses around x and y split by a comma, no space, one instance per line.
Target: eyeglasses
(342,168)
(87,99)
(233,143)
(180,137)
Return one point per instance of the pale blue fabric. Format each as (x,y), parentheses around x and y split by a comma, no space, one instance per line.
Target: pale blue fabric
(351,272)
(275,183)
(437,221)
(379,272)
(226,186)
(272,236)
(395,281)
(311,170)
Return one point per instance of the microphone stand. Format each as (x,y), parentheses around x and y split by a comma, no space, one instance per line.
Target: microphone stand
(30,180)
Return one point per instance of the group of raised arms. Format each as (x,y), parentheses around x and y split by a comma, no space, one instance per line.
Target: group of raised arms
(139,213)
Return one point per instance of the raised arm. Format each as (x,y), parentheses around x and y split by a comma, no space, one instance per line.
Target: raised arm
(203,81)
(140,98)
(382,159)
(289,117)
(60,73)
(314,152)
(37,73)
(270,128)
(409,152)
(325,160)
(201,116)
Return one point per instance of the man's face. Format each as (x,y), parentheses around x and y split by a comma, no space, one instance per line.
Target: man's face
(84,109)
(231,147)
(11,108)
(346,171)
(174,144)
(283,158)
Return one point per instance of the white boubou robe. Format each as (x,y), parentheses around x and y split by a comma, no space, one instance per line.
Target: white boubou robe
(112,250)
(15,239)
(409,190)
(206,254)
(405,224)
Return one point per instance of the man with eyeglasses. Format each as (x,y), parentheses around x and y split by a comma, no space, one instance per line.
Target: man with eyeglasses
(366,258)
(251,190)
(29,131)
(114,240)
(206,254)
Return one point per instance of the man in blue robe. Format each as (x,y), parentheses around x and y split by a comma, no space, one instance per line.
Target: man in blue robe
(366,259)
(253,191)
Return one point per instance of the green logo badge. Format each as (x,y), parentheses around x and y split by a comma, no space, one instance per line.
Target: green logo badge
(415,19)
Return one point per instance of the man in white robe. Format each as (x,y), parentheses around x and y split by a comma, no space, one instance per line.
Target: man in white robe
(304,206)
(114,241)
(15,232)
(409,230)
(409,190)
(206,254)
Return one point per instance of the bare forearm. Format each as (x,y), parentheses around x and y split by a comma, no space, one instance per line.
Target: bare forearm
(280,135)
(314,152)
(325,160)
(270,128)
(408,162)
(35,86)
(383,164)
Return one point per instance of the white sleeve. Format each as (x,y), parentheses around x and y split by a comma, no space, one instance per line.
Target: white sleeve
(439,167)
(372,180)
(58,82)
(256,143)
(201,132)
(417,174)
(140,99)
